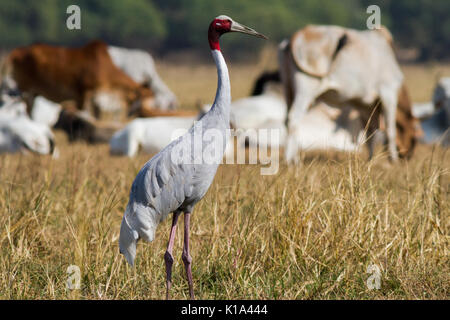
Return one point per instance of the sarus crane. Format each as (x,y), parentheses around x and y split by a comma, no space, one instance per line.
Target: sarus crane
(167,185)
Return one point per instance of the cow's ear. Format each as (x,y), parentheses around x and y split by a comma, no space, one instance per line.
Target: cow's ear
(132,95)
(145,92)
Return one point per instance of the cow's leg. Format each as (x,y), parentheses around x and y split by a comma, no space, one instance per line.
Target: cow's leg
(307,89)
(371,122)
(292,146)
(389,103)
(300,107)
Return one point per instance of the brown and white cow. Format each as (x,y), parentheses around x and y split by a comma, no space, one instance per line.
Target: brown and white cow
(340,127)
(79,74)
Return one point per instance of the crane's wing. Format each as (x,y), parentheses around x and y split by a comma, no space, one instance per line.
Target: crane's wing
(160,187)
(172,180)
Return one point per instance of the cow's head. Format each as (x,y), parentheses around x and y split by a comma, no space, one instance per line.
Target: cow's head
(140,99)
(408,132)
(408,126)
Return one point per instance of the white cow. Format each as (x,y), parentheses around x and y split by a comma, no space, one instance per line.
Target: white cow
(139,65)
(340,65)
(150,134)
(19,133)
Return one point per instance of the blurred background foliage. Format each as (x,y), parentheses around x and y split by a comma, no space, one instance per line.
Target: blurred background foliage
(164,26)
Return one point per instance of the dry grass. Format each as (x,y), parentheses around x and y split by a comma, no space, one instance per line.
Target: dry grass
(308,232)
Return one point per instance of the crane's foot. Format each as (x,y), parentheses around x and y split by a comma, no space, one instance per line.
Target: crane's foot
(187,260)
(168,258)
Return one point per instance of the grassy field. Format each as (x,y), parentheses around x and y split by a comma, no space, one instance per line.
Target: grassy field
(308,232)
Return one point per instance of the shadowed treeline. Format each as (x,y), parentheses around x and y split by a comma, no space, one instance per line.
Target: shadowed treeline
(168,25)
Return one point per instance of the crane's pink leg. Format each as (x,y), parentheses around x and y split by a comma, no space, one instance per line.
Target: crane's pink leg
(187,259)
(168,258)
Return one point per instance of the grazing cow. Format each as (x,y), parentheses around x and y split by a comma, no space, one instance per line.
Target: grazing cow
(139,65)
(340,66)
(79,74)
(150,134)
(79,125)
(18,133)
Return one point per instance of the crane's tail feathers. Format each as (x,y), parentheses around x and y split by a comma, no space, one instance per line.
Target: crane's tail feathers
(127,241)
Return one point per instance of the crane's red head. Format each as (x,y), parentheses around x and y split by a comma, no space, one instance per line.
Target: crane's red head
(223,24)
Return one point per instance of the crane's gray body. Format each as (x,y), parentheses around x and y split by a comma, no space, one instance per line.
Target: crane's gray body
(164,186)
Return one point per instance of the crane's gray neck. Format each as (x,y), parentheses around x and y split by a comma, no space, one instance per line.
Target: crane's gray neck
(223,95)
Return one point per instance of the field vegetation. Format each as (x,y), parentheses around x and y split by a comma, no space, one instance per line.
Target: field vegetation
(308,232)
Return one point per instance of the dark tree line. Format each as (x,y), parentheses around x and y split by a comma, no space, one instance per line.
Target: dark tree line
(164,25)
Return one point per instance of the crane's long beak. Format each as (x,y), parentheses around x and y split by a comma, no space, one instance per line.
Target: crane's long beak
(237,27)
